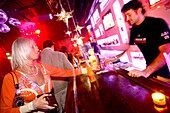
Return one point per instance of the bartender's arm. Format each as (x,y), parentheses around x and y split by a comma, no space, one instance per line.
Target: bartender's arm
(113,59)
(155,65)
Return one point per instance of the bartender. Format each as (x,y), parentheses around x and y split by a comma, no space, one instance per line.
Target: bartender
(151,35)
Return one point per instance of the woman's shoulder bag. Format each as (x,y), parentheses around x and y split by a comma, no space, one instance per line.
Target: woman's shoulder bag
(18,100)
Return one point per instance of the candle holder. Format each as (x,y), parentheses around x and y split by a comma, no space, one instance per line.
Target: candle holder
(159,99)
(163,109)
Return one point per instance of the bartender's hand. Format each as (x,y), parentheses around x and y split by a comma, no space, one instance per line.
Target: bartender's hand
(106,62)
(137,73)
(41,103)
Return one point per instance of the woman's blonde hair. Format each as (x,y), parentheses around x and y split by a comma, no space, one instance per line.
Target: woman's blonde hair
(21,49)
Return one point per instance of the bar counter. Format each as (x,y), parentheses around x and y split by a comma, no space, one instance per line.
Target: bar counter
(115,92)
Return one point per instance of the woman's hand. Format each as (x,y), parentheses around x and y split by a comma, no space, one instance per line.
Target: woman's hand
(41,103)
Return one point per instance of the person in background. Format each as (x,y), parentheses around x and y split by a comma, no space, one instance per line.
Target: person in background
(95,46)
(67,53)
(84,52)
(75,60)
(151,35)
(57,59)
(33,78)
(96,49)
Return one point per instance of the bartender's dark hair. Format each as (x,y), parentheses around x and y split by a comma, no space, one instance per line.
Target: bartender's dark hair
(133,4)
(47,43)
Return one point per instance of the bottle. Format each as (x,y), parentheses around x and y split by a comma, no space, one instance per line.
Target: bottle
(93,60)
(90,73)
(99,64)
(83,67)
(75,62)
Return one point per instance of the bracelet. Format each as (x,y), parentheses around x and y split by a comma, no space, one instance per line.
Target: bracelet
(115,57)
(33,105)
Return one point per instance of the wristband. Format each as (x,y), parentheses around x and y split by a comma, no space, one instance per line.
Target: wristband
(33,105)
(115,57)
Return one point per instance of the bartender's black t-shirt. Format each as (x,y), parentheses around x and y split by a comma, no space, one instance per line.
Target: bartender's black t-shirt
(149,35)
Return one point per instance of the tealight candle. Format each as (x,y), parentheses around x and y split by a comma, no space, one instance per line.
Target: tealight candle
(159,99)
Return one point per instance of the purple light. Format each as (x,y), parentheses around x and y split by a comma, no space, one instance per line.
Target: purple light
(4,28)
(3,17)
(14,22)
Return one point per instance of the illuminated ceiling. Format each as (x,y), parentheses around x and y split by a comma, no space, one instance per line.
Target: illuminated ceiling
(34,10)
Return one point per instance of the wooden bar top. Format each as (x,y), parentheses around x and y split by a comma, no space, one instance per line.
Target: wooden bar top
(114,92)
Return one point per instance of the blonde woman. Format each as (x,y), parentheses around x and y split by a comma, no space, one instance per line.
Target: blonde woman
(33,78)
